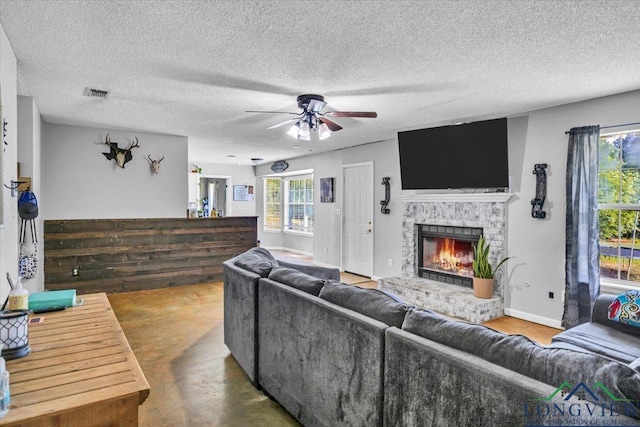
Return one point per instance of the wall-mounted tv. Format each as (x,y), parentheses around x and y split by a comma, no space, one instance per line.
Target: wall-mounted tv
(471,155)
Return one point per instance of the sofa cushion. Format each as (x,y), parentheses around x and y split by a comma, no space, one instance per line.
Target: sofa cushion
(257,260)
(313,270)
(600,339)
(297,279)
(552,366)
(370,302)
(626,308)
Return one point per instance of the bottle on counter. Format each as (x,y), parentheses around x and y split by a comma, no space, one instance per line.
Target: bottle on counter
(18,297)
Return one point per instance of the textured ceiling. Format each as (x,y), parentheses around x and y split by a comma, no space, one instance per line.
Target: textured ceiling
(193,68)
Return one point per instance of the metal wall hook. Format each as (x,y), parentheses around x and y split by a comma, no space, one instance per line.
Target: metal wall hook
(14,187)
(537,203)
(387,195)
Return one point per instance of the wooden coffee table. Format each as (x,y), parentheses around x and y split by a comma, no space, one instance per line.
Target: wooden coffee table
(81,371)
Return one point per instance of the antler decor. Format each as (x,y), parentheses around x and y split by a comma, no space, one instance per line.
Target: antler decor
(155,164)
(120,155)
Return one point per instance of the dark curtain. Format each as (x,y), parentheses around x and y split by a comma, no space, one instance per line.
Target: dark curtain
(582,280)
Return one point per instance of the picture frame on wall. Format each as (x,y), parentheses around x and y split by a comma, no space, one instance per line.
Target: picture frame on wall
(243,193)
(326,190)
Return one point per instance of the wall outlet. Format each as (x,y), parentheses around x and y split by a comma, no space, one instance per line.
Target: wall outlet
(326,250)
(75,271)
(550,295)
(390,262)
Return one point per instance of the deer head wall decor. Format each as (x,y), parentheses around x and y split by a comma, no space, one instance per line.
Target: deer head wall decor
(155,164)
(120,155)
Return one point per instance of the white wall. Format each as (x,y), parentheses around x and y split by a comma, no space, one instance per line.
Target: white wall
(326,242)
(29,157)
(9,232)
(80,183)
(240,175)
(539,245)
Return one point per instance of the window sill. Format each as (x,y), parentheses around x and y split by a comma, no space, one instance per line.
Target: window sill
(299,233)
(612,286)
(270,230)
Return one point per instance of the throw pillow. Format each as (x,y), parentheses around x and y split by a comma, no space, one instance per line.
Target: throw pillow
(297,279)
(257,260)
(626,308)
(370,302)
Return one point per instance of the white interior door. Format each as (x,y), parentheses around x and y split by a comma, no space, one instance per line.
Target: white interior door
(357,232)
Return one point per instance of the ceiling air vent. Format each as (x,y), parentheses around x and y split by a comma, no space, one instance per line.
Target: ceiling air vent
(97,93)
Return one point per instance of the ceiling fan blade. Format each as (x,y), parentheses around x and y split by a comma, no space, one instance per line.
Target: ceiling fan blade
(272,112)
(369,114)
(316,105)
(283,123)
(333,126)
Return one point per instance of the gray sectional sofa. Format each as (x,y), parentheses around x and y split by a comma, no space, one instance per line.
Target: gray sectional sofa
(241,275)
(338,355)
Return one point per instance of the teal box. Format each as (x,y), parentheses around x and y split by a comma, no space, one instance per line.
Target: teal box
(52,299)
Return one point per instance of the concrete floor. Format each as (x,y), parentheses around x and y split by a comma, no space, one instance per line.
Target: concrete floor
(177,337)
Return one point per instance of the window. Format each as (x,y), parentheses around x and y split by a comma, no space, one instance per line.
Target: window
(619,206)
(273,204)
(299,204)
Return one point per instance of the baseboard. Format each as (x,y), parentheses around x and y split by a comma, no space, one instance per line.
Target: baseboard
(295,251)
(324,264)
(533,318)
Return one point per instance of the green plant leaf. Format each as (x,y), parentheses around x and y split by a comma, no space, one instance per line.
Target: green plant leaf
(481,265)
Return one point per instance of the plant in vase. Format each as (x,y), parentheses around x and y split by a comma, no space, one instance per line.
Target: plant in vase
(483,273)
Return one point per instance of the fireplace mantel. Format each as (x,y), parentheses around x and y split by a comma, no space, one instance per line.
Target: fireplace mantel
(456,197)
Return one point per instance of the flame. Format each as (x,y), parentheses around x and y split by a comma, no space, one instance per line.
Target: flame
(446,255)
(449,255)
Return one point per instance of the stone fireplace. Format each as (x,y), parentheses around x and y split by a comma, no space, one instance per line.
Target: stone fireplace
(444,285)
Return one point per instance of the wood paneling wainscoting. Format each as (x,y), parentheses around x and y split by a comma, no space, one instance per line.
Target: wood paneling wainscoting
(116,255)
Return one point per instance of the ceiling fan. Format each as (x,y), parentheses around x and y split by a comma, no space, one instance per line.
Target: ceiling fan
(312,119)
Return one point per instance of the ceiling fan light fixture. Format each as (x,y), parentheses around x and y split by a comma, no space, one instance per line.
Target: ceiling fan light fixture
(304,136)
(304,133)
(323,131)
(293,131)
(311,118)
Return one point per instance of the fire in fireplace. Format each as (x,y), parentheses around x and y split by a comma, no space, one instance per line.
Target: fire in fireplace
(446,253)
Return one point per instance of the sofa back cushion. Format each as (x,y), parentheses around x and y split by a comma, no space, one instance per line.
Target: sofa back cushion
(313,270)
(552,366)
(297,279)
(257,260)
(370,302)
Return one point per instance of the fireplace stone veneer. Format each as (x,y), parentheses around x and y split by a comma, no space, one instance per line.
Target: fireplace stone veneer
(486,211)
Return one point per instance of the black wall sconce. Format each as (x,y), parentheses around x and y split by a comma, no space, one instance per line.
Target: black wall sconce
(387,195)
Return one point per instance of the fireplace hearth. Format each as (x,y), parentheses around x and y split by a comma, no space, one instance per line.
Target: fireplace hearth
(445,254)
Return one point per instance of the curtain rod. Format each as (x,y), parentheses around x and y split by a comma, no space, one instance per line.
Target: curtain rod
(613,126)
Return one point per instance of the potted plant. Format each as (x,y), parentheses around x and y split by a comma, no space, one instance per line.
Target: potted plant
(483,279)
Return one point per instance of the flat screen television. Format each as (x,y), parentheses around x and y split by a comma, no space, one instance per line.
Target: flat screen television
(471,155)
